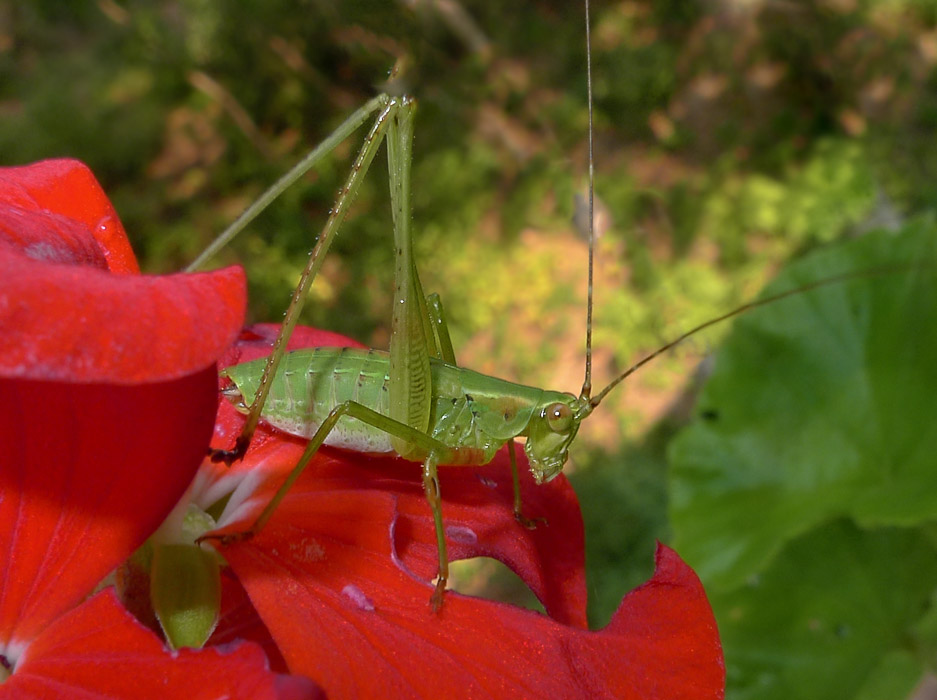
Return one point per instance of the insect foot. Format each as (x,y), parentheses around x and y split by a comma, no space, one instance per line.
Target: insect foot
(436,599)
(530,523)
(229,457)
(227,538)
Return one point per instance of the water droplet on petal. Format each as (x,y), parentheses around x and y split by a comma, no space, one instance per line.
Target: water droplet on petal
(490,483)
(357,596)
(461,534)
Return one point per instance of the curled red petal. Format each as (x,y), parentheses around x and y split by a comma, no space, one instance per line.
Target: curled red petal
(79,324)
(63,317)
(99,650)
(479,521)
(61,197)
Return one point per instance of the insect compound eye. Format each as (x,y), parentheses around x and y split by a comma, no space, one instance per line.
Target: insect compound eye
(559,417)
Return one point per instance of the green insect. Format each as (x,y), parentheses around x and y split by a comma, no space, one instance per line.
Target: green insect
(414,401)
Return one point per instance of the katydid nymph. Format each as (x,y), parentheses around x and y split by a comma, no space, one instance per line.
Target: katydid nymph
(415,401)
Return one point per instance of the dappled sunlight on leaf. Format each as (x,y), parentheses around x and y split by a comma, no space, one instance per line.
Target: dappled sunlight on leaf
(818,406)
(817,432)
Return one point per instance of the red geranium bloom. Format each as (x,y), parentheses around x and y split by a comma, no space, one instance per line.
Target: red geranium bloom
(109,390)
(340,580)
(109,387)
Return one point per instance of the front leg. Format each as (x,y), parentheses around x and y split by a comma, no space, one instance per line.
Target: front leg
(529,523)
(431,489)
(229,457)
(435,450)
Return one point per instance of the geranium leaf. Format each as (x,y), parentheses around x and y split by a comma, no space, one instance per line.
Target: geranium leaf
(827,616)
(819,406)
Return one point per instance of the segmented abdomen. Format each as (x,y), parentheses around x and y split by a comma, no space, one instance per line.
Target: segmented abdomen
(310,383)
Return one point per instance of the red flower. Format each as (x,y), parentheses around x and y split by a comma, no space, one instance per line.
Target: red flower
(340,576)
(109,388)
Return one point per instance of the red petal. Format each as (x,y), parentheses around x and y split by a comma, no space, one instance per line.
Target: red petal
(239,621)
(63,196)
(98,650)
(477,508)
(325,579)
(109,392)
(479,519)
(90,470)
(668,623)
(80,324)
(63,317)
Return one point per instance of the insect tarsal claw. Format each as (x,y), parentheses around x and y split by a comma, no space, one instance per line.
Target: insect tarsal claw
(436,600)
(227,538)
(226,456)
(229,457)
(530,523)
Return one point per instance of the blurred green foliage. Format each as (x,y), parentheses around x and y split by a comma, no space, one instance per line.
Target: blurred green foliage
(731,136)
(802,492)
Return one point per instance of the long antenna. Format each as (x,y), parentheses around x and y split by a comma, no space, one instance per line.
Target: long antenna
(835,279)
(587,382)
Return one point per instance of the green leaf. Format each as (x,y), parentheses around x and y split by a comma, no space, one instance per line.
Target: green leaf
(820,405)
(185,588)
(895,676)
(829,617)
